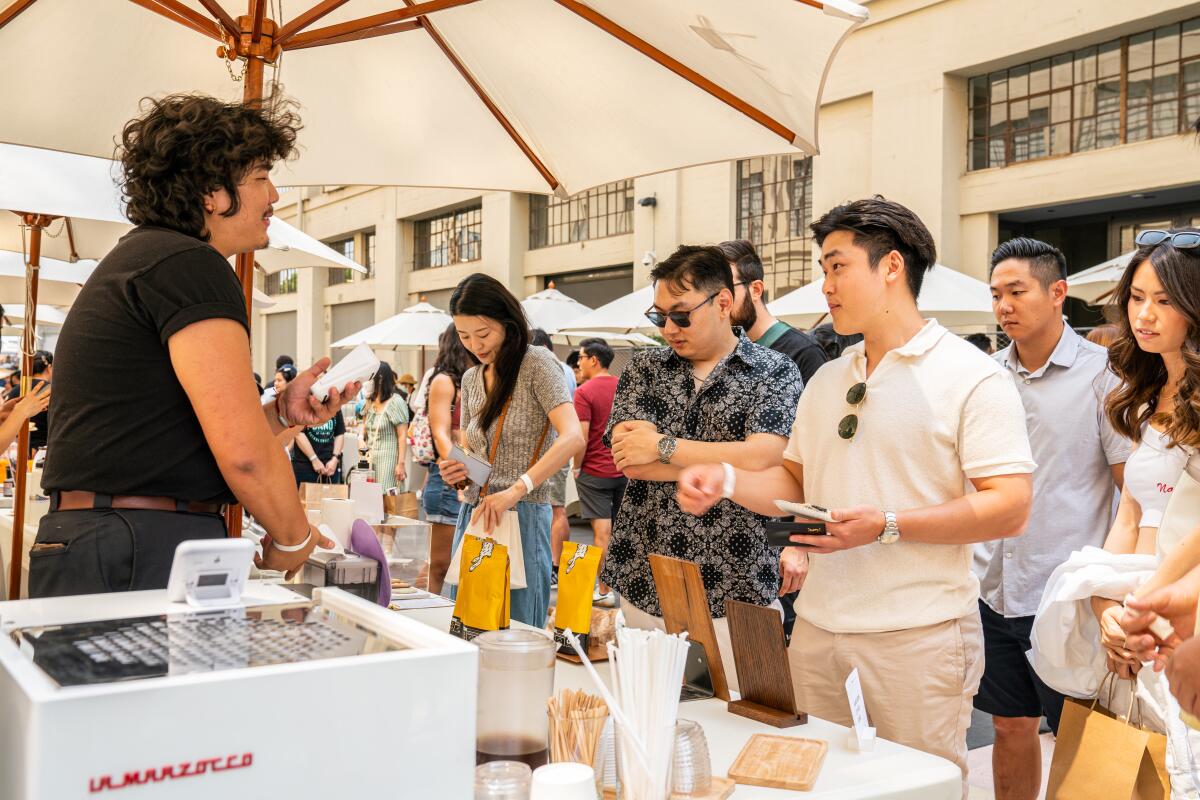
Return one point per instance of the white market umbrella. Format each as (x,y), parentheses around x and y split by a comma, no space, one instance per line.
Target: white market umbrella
(419,325)
(546,95)
(1094,284)
(572,338)
(46,315)
(262,299)
(624,315)
(951,297)
(58,284)
(550,309)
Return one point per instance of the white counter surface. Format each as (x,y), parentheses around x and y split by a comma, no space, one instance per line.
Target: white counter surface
(890,771)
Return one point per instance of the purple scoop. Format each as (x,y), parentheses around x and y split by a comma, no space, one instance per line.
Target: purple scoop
(364,543)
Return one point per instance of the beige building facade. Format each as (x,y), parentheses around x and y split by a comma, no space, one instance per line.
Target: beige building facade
(1069,121)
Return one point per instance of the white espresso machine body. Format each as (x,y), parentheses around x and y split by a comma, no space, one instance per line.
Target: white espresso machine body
(379,703)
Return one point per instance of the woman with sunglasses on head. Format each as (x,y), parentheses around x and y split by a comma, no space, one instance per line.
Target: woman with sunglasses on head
(1157,308)
(517,415)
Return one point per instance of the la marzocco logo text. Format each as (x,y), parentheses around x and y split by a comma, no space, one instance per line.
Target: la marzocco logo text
(170,772)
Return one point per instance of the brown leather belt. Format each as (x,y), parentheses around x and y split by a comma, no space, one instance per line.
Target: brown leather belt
(76,501)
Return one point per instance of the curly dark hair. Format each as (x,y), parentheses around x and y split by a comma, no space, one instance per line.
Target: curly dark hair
(187,145)
(1143,374)
(880,226)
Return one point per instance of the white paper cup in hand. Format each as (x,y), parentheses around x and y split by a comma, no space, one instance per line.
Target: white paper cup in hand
(565,780)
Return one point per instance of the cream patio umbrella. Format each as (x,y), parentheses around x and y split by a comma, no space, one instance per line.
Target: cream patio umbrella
(624,315)
(1094,284)
(550,309)
(418,325)
(59,281)
(548,95)
(951,297)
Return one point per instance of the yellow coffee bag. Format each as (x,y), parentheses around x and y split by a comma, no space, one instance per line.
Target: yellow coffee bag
(482,600)
(577,570)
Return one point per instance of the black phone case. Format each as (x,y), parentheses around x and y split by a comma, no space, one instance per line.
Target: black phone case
(779,533)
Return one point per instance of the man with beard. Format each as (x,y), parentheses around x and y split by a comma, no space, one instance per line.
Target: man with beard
(750,311)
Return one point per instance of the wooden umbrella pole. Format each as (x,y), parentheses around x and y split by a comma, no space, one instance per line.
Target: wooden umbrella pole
(28,341)
(255,29)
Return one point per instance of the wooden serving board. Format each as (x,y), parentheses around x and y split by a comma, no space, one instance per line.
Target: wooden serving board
(779,762)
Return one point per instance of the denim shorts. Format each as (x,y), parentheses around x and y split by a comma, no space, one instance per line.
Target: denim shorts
(439,500)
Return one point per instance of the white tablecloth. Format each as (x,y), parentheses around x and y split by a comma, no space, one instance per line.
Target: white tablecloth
(889,771)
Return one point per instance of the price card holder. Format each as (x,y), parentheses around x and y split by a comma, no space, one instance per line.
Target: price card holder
(862,737)
(760,656)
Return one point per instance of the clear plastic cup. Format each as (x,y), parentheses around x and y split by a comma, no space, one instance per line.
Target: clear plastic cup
(503,780)
(692,767)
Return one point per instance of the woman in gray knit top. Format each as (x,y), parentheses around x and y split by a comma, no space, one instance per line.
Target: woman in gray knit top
(521,391)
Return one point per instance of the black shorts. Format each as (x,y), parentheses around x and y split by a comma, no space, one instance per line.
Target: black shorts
(599,498)
(1010,687)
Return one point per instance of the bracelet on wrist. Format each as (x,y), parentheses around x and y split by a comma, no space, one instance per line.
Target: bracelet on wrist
(528,481)
(293,548)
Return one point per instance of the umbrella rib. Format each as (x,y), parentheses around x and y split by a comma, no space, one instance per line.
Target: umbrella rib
(679,68)
(307,18)
(227,22)
(183,15)
(376,20)
(10,13)
(370,33)
(487,102)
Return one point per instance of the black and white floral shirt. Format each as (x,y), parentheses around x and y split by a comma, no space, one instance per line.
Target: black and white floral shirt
(753,390)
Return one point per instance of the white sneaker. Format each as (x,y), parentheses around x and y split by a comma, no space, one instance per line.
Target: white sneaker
(606,600)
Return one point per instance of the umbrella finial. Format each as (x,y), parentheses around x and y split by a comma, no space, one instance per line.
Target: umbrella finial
(423,299)
(550,285)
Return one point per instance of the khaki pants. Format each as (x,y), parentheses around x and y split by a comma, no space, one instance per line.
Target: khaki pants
(918,683)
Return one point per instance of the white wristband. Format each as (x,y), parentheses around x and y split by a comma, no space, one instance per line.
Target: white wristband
(528,481)
(292,548)
(730,482)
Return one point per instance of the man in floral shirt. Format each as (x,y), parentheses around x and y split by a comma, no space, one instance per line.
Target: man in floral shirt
(712,396)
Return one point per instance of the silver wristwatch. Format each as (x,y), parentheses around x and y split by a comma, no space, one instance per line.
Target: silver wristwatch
(891,531)
(666,449)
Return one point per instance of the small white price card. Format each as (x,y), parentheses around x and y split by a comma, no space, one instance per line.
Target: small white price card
(864,734)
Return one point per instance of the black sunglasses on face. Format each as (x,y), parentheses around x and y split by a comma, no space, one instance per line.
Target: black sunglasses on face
(849,424)
(1183,240)
(682,319)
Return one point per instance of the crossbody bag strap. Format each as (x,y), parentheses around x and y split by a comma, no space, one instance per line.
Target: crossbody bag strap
(483,490)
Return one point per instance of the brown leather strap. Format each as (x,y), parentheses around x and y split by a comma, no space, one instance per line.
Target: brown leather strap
(78,500)
(483,490)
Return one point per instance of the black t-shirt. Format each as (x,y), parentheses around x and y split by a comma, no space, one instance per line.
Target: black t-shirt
(120,422)
(801,349)
(321,438)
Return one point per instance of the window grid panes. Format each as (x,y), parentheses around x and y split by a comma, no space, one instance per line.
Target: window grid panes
(344,247)
(593,214)
(774,209)
(282,282)
(1072,102)
(452,238)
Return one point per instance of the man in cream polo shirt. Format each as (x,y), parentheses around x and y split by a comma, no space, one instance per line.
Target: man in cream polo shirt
(916,441)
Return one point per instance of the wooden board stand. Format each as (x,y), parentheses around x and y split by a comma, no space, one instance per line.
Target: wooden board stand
(760,656)
(685,608)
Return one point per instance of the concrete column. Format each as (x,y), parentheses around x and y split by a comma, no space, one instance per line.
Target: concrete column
(978,235)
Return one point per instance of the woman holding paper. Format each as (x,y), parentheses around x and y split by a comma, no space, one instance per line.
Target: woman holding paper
(516,414)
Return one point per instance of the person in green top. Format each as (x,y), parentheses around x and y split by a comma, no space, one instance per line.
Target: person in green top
(386,424)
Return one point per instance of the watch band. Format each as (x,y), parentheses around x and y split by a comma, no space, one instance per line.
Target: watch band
(891,530)
(666,449)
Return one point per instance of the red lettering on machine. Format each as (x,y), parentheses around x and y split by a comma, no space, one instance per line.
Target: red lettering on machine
(183,769)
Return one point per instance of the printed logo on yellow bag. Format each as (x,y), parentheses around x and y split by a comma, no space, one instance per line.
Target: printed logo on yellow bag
(576,578)
(482,601)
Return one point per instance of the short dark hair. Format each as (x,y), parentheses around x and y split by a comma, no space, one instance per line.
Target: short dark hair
(879,227)
(572,359)
(981,340)
(187,145)
(599,350)
(539,338)
(702,267)
(740,253)
(1046,262)
(281,360)
(41,360)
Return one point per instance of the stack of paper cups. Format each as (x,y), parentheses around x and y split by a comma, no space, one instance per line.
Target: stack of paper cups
(338,514)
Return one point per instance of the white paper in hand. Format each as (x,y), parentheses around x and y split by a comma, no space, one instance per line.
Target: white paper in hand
(360,365)
(807,510)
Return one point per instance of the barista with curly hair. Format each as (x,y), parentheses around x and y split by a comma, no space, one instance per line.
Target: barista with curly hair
(155,425)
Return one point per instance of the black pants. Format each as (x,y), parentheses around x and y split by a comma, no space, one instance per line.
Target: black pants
(111,550)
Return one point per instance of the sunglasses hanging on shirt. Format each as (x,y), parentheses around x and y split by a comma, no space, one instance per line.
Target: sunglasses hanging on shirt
(854,397)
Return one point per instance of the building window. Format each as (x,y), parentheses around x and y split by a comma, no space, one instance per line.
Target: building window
(359,248)
(774,209)
(282,282)
(1125,90)
(594,214)
(446,239)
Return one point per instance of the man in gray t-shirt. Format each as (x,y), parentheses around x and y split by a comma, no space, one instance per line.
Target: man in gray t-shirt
(1063,380)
